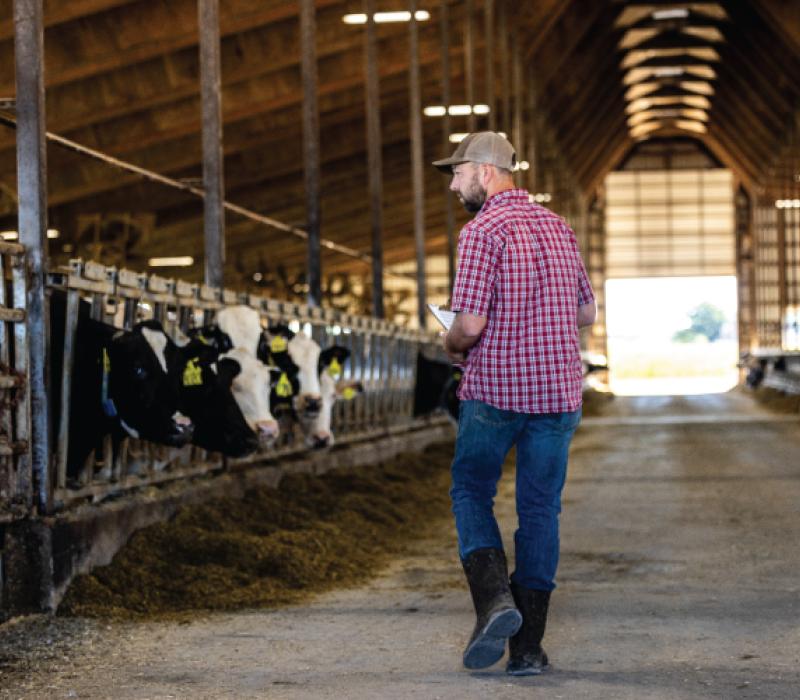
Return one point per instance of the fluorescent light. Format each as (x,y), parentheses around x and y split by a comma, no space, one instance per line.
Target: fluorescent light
(539,197)
(668,71)
(676,13)
(177,261)
(459,110)
(455,110)
(788,203)
(524,165)
(383,17)
(459,136)
(14,235)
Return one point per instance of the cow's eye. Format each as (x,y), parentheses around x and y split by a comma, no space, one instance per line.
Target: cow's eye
(139,372)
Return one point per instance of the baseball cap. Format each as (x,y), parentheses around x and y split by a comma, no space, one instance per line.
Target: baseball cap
(481,147)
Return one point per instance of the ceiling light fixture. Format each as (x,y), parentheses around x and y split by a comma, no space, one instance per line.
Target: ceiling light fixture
(676,13)
(455,110)
(459,136)
(14,235)
(787,204)
(177,261)
(385,17)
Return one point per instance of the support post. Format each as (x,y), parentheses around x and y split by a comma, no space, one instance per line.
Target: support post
(446,99)
(374,157)
(213,179)
(469,60)
(417,175)
(32,225)
(489,44)
(502,20)
(516,69)
(311,148)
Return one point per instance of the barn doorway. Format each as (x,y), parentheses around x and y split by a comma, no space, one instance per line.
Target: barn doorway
(671,294)
(672,335)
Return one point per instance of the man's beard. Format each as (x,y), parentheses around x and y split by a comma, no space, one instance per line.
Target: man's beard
(474,198)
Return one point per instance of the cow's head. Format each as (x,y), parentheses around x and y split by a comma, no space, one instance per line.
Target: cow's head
(137,387)
(226,397)
(332,387)
(295,353)
(242,325)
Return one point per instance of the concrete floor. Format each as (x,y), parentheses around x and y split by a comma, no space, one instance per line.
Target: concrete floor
(679,579)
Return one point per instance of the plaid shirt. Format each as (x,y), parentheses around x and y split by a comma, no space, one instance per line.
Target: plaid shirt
(519,266)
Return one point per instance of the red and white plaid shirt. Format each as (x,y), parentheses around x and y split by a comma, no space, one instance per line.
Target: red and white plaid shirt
(519,266)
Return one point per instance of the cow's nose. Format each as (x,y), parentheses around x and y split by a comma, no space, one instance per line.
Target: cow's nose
(180,419)
(267,428)
(312,403)
(321,439)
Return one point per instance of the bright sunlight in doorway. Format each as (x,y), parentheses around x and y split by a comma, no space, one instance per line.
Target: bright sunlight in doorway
(672,335)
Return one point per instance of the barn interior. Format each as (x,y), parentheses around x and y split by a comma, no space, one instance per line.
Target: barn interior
(278,153)
(581,90)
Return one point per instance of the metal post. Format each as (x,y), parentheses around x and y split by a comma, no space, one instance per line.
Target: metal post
(417,175)
(213,179)
(489,20)
(311,150)
(32,224)
(469,62)
(504,69)
(516,68)
(532,138)
(448,198)
(374,159)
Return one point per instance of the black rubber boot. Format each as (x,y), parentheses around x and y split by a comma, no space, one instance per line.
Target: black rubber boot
(526,656)
(497,617)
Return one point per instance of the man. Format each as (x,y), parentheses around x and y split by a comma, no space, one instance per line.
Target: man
(521,292)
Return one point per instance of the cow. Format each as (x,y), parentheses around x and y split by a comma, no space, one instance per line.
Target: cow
(318,433)
(226,396)
(296,355)
(436,387)
(120,385)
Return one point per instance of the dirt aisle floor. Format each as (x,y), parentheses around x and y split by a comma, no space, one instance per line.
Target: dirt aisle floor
(679,579)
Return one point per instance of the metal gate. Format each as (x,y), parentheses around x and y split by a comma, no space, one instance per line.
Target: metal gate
(16,490)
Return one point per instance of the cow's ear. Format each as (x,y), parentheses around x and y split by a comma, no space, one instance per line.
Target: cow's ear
(334,351)
(150,324)
(227,370)
(281,329)
(262,352)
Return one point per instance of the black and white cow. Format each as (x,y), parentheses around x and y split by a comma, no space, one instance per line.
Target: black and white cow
(120,385)
(296,355)
(318,433)
(436,387)
(225,394)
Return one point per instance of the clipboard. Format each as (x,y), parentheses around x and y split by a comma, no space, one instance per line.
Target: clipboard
(443,316)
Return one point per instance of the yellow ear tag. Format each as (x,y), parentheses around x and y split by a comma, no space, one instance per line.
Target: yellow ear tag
(284,387)
(348,393)
(457,376)
(334,368)
(193,373)
(278,344)
(106,362)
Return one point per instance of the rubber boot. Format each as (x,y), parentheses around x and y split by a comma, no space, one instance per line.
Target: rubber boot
(526,656)
(497,617)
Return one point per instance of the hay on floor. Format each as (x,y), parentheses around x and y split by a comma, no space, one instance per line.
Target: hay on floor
(275,546)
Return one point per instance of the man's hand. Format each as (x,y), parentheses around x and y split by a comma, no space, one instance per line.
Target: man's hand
(455,357)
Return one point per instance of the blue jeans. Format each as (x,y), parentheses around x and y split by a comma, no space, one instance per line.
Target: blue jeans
(485,436)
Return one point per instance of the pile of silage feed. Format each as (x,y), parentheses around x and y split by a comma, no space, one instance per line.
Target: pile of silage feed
(776,400)
(275,546)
